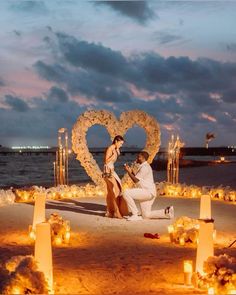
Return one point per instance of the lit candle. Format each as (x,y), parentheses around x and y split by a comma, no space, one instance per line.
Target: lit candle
(16,290)
(182,241)
(211,291)
(58,241)
(32,233)
(171,231)
(54,173)
(67,237)
(214,235)
(188,271)
(67,222)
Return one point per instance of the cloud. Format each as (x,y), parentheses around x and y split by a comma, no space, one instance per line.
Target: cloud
(165,37)
(51,73)
(98,72)
(58,95)
(91,55)
(16,103)
(140,11)
(29,6)
(40,118)
(229,95)
(184,95)
(82,63)
(208,117)
(231,47)
(17,33)
(1,82)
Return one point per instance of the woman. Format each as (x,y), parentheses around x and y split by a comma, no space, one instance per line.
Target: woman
(116,205)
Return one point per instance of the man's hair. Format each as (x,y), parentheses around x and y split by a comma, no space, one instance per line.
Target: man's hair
(144,154)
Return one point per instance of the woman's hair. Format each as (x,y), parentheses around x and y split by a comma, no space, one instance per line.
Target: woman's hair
(117,138)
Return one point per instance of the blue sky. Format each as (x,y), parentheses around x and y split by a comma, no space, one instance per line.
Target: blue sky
(174,59)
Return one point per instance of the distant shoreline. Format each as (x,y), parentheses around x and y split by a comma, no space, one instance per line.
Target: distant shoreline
(160,164)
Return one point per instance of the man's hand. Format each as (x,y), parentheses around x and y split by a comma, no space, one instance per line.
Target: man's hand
(131,174)
(128,168)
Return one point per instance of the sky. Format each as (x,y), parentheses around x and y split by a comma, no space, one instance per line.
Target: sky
(176,60)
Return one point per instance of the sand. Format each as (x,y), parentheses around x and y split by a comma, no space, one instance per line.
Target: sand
(110,256)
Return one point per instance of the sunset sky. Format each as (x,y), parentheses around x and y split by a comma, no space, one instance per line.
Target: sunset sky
(176,60)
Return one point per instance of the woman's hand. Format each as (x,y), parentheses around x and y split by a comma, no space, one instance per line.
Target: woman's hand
(107,169)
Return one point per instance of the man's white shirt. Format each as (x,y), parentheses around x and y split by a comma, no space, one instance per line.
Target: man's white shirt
(145,177)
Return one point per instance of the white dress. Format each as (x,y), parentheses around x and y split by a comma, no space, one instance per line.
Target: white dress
(111,166)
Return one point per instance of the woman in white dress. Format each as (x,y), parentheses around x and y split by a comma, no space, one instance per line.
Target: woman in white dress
(116,205)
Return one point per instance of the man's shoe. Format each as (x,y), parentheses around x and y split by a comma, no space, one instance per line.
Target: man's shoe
(134,218)
(169,211)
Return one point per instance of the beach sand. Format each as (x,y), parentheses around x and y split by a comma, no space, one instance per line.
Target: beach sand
(110,256)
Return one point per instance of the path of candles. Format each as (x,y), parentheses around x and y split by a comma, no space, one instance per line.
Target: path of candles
(109,256)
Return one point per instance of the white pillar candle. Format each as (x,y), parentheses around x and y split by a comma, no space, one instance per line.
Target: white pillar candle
(39,209)
(43,251)
(205,207)
(205,246)
(188,271)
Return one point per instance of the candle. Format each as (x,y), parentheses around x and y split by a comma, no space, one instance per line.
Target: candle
(182,241)
(205,207)
(188,271)
(54,173)
(211,291)
(205,247)
(67,237)
(16,290)
(39,209)
(214,234)
(43,251)
(171,231)
(31,233)
(67,223)
(58,241)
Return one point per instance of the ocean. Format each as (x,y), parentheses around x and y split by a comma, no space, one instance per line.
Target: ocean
(18,170)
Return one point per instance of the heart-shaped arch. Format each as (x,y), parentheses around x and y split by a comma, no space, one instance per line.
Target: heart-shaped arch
(108,120)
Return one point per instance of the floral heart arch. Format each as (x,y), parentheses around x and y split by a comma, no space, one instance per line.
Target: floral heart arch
(114,127)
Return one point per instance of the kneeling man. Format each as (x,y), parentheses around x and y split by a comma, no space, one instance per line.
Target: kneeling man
(145,192)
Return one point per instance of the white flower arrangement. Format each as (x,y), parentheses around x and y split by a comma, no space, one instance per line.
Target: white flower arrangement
(20,275)
(194,191)
(7,197)
(184,230)
(219,275)
(91,190)
(108,120)
(60,229)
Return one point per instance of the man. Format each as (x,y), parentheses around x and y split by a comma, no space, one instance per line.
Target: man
(145,192)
